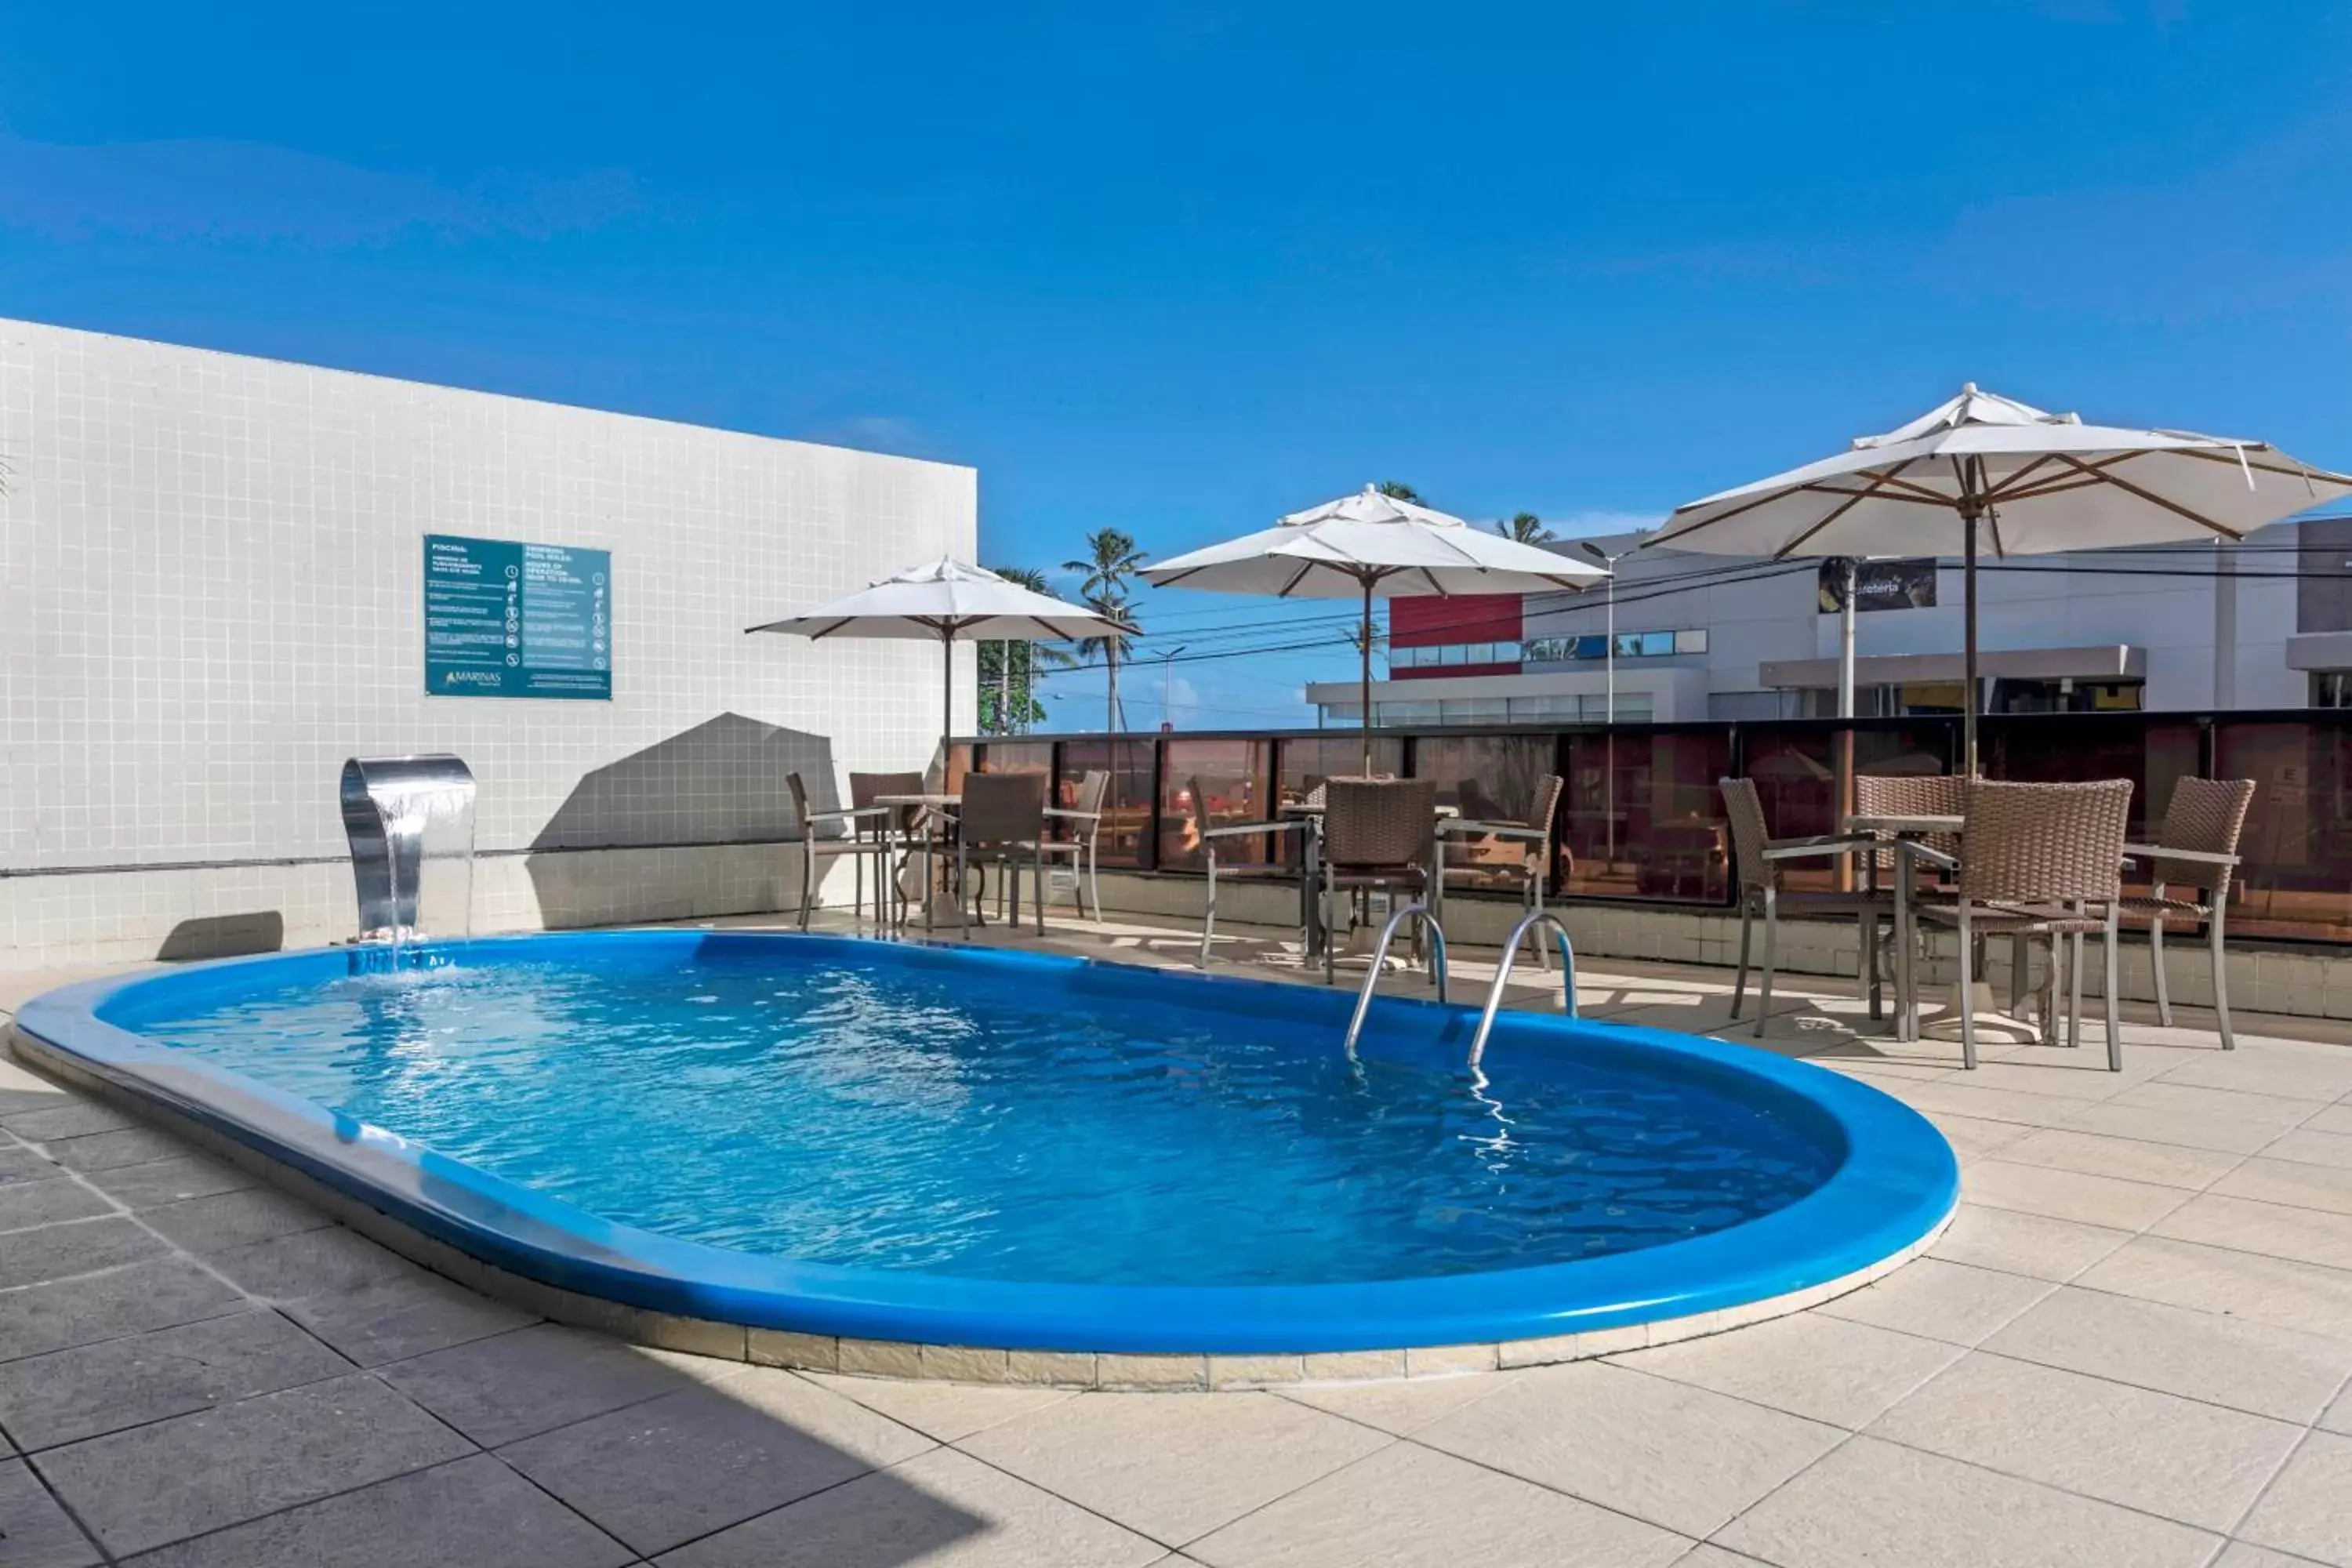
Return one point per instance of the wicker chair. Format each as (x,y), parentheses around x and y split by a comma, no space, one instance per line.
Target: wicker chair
(1083,824)
(1912,795)
(815,848)
(1376,834)
(1304,825)
(1002,819)
(1531,840)
(890,829)
(2041,860)
(1758,858)
(2197,851)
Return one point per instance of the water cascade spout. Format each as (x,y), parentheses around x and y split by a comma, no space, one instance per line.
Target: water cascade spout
(411,825)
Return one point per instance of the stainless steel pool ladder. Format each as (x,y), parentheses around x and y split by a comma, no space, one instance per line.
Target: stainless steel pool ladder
(1503,977)
(1381,959)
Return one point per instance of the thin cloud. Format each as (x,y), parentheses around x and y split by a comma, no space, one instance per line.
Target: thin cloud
(253,192)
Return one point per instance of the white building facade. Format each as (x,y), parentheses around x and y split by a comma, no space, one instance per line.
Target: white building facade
(215,573)
(2267,624)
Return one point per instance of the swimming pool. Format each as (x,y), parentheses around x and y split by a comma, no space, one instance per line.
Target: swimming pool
(954,1146)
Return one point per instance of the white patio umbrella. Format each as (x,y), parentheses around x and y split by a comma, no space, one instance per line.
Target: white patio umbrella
(2037,482)
(948,602)
(1373,547)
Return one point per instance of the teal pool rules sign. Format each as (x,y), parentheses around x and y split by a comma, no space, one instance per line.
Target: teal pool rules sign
(507,619)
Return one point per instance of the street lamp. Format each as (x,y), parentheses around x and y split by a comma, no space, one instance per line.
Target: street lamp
(1168,686)
(1610,562)
(1608,764)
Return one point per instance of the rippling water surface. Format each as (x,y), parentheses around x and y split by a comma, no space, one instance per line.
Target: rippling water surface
(855,1110)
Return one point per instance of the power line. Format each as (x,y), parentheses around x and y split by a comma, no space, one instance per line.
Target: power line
(1656,588)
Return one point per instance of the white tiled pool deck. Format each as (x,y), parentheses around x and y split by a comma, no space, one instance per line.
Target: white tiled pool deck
(2133,1347)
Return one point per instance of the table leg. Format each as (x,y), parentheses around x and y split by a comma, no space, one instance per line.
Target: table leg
(1904,1024)
(1311,852)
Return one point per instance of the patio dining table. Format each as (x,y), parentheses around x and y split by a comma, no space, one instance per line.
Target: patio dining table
(940,807)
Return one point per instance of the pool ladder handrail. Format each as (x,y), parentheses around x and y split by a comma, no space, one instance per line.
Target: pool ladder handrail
(1380,960)
(1503,977)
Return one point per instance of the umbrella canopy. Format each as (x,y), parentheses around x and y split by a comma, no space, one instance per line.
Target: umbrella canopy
(1371,547)
(948,602)
(2035,482)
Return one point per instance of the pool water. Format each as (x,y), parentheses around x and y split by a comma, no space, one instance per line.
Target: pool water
(834,1103)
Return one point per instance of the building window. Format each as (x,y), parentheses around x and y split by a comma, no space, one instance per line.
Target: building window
(2066,696)
(1630,644)
(2331,688)
(1633,708)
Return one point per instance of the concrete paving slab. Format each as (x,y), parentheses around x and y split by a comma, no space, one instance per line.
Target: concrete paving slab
(1680,1457)
(157,1484)
(105,1387)
(75,1312)
(513,1385)
(1173,1467)
(1873,1504)
(941,1510)
(2223,1360)
(659,1474)
(1407,1506)
(2156,1453)
(403,1316)
(472,1511)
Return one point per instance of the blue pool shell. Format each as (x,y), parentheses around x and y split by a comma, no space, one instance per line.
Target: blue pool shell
(1896,1182)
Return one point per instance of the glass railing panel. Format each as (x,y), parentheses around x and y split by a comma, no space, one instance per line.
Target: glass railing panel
(1128,806)
(1210,784)
(2296,879)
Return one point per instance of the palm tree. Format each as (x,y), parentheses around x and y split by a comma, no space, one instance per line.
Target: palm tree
(1527,528)
(1110,560)
(1111,646)
(1397,490)
(1013,667)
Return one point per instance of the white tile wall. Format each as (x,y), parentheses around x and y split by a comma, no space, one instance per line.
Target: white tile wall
(212,576)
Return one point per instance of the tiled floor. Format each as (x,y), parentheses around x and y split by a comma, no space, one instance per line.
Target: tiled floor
(2133,1347)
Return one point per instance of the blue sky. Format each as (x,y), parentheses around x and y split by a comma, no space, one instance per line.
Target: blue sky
(1180,269)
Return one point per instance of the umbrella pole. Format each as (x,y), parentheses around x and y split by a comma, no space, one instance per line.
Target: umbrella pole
(1364,680)
(947,696)
(1968,642)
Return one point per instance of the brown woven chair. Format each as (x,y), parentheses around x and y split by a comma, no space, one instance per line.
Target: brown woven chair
(1531,841)
(1376,834)
(2196,852)
(2041,860)
(890,829)
(1757,859)
(1912,795)
(1002,820)
(1080,825)
(816,846)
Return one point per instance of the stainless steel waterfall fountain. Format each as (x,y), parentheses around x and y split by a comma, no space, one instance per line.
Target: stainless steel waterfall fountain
(411,823)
